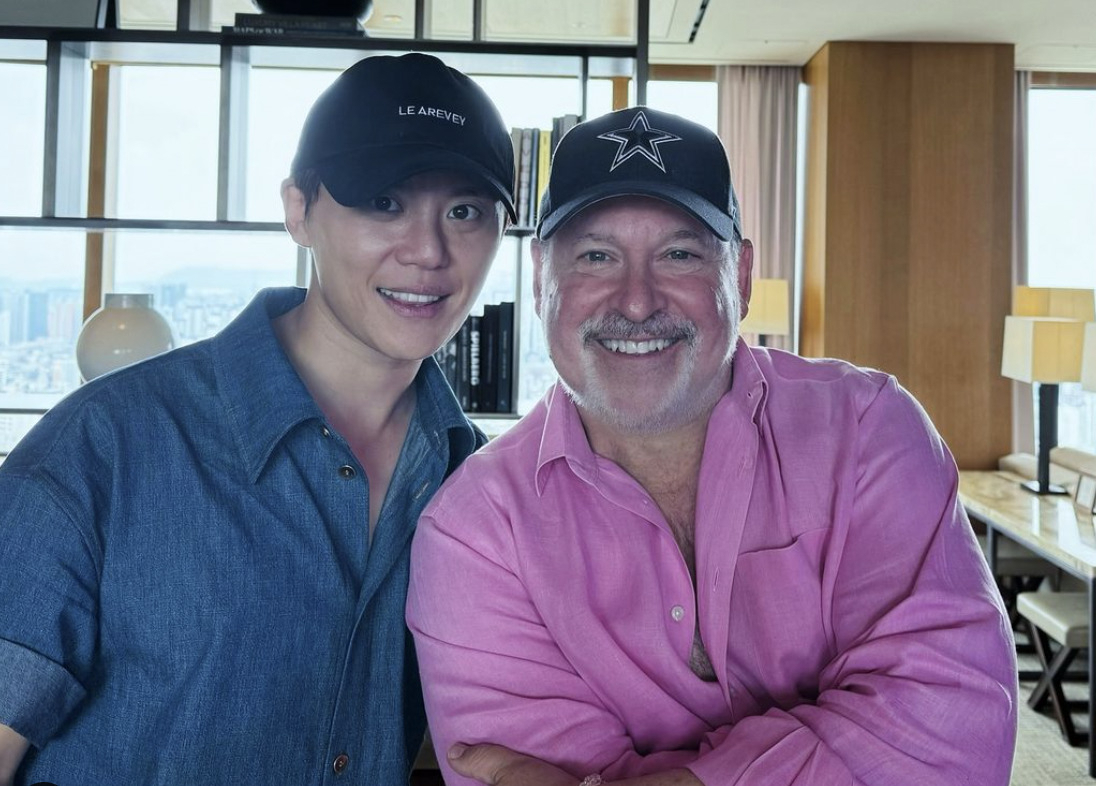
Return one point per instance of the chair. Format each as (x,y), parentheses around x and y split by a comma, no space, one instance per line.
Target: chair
(1062,616)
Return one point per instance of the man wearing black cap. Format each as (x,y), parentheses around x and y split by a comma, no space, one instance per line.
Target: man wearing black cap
(697,561)
(204,557)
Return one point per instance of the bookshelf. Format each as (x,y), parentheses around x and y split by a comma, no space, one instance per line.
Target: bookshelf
(77,98)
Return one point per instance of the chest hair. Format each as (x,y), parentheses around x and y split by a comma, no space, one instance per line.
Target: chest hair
(678,506)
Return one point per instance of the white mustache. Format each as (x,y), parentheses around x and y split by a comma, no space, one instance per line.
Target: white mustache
(659,325)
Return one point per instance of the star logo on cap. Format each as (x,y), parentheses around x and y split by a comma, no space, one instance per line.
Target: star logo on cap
(639,139)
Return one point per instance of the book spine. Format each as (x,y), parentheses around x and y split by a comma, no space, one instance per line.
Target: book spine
(544,161)
(446,356)
(525,170)
(464,365)
(504,378)
(294,31)
(473,363)
(299,21)
(489,332)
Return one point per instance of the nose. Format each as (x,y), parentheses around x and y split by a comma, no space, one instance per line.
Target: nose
(424,244)
(639,294)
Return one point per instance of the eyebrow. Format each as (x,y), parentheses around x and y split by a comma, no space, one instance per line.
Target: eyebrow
(676,235)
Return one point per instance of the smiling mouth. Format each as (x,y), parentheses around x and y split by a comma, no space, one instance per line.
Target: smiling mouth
(409,298)
(629,347)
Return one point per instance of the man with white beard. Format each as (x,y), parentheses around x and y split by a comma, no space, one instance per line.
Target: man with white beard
(697,561)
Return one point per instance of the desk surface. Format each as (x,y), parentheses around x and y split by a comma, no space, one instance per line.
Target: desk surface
(1050,525)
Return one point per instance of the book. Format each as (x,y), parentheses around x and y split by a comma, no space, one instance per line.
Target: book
(524,163)
(504,375)
(346,24)
(489,334)
(463,388)
(544,161)
(294,24)
(446,356)
(288,31)
(473,323)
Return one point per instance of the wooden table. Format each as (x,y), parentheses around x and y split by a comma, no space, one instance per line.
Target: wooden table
(1050,526)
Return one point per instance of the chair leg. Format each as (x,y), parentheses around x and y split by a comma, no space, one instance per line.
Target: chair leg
(1030,675)
(1050,685)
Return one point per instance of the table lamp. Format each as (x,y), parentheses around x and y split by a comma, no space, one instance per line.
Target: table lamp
(1047,351)
(126,329)
(1063,302)
(768,314)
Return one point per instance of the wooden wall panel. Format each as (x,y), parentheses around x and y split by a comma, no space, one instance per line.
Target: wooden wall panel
(907,257)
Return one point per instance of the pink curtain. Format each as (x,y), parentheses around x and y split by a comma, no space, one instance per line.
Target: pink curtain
(758,125)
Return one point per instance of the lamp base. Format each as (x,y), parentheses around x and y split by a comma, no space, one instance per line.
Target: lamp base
(1033,487)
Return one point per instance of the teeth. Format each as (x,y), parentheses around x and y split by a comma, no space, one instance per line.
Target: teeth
(636,347)
(409,297)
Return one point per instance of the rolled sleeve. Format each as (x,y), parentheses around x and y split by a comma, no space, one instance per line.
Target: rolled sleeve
(48,593)
(36,694)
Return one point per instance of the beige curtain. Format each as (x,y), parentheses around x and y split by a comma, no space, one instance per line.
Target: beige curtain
(1023,418)
(758,124)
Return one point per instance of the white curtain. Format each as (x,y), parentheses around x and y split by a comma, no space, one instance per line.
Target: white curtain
(1023,418)
(758,124)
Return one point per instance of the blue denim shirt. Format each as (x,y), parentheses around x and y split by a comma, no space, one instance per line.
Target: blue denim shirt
(188,590)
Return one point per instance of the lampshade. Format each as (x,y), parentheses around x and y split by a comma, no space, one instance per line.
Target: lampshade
(768,314)
(126,329)
(1042,349)
(1088,360)
(1079,304)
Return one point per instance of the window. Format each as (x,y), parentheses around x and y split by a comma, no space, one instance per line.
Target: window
(696,101)
(1061,229)
(21,138)
(41,304)
(162,164)
(41,273)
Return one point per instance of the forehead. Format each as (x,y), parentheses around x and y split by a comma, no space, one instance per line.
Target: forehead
(444,181)
(628,217)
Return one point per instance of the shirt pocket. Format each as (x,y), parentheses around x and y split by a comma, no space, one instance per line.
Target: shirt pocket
(778,642)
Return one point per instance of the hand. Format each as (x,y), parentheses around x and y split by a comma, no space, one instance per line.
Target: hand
(495,765)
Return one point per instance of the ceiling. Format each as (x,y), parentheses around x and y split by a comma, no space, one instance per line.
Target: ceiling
(1048,34)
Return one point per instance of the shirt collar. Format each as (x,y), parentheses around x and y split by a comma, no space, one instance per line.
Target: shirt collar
(265,398)
(263,395)
(564,436)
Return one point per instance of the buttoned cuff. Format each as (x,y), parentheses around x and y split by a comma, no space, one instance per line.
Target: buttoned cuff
(36,694)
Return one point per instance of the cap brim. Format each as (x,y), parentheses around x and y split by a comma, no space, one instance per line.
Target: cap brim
(354,178)
(700,209)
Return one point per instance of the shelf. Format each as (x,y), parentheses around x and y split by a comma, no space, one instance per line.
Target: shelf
(162,225)
(78,97)
(209,38)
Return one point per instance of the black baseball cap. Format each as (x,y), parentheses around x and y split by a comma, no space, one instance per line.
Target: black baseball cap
(644,152)
(387,118)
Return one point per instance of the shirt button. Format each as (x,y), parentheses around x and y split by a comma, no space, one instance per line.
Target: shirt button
(677,613)
(346,472)
(341,762)
(326,431)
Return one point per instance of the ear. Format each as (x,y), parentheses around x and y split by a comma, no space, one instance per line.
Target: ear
(295,206)
(745,277)
(538,249)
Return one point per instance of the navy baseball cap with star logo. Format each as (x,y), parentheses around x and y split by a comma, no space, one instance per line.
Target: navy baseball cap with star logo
(641,151)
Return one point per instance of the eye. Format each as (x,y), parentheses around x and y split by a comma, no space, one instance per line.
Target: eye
(465,212)
(681,255)
(594,256)
(383,204)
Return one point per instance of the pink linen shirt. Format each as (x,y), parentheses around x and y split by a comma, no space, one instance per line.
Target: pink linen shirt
(854,629)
